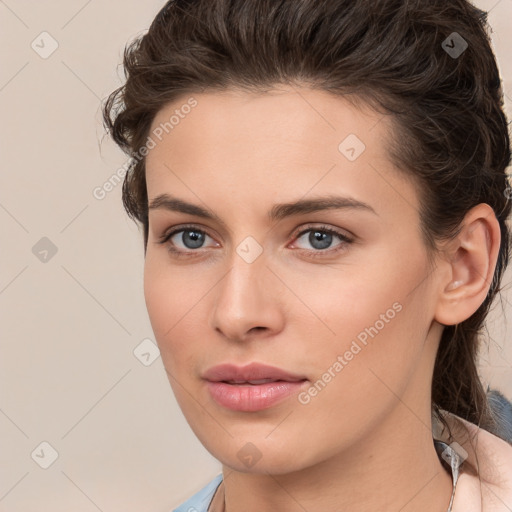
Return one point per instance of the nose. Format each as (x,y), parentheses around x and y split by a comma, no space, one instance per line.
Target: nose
(247,303)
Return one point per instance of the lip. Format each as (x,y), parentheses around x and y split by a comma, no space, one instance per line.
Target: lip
(253,371)
(229,386)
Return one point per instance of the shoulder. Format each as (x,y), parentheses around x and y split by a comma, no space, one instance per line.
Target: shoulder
(485,481)
(200,501)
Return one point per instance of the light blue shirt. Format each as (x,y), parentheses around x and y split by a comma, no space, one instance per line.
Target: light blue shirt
(202,499)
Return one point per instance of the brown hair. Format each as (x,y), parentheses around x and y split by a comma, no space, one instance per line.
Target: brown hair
(395,55)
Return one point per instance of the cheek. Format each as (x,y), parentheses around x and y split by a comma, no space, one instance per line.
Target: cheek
(169,293)
(168,300)
(359,382)
(346,305)
(375,357)
(159,302)
(170,297)
(373,315)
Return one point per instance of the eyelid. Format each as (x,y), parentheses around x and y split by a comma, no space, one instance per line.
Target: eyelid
(305,228)
(343,233)
(170,232)
(345,242)
(295,234)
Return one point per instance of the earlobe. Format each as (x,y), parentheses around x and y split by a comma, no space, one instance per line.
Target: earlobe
(470,263)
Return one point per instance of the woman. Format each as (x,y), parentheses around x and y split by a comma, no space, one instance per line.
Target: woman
(323,195)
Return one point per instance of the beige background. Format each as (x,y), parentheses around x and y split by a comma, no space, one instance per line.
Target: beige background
(70,325)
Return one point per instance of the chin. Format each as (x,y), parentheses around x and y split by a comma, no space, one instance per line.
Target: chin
(262,467)
(257,455)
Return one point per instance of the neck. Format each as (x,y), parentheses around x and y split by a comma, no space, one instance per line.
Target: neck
(394,468)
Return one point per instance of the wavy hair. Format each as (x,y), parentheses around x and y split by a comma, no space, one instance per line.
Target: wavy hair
(428,64)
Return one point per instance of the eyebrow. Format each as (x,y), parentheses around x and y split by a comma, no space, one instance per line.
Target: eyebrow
(278,211)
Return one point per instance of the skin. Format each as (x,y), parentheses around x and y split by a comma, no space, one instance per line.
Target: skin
(364,442)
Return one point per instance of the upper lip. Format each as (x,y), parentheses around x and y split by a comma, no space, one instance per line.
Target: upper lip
(251,372)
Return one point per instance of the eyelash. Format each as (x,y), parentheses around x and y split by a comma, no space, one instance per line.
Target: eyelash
(345,240)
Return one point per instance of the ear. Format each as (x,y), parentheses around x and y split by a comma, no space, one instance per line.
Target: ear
(469,260)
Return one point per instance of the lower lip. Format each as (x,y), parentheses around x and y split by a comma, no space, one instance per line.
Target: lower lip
(250,398)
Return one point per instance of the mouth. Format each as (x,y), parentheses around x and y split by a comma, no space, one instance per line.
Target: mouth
(253,382)
(254,373)
(251,388)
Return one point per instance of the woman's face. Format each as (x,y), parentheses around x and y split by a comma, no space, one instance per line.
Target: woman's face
(338,295)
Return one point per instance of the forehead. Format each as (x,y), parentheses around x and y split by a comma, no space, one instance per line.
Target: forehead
(290,111)
(289,140)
